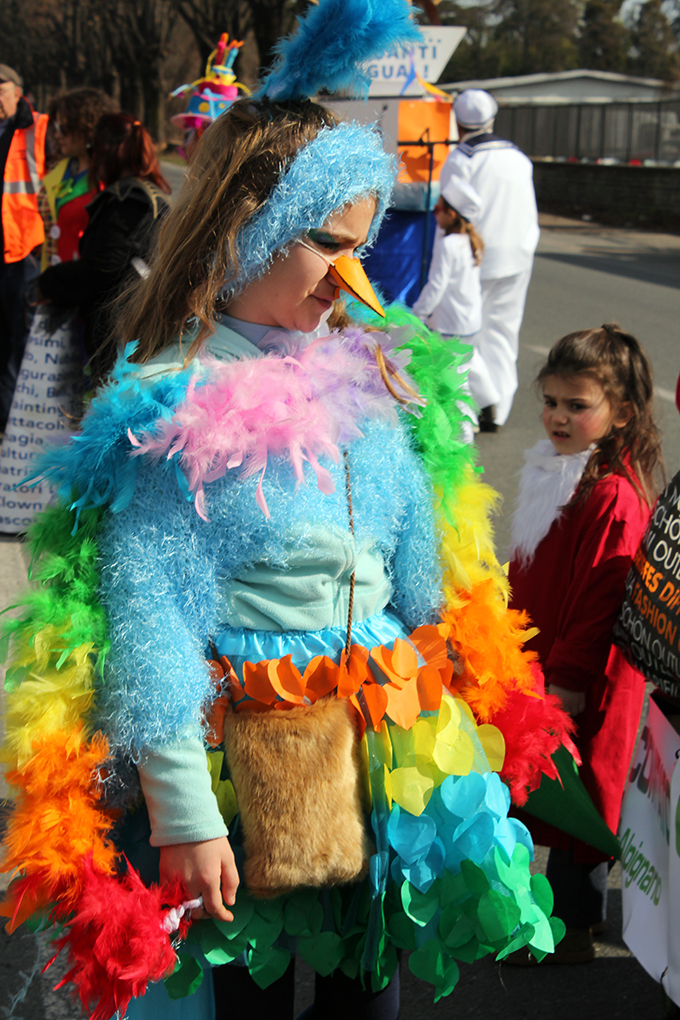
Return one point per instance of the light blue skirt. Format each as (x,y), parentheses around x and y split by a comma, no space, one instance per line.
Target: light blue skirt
(242,645)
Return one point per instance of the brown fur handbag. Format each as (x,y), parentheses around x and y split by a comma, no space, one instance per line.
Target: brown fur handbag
(297,782)
(297,779)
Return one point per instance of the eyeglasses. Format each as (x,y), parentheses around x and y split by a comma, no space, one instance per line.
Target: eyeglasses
(348,274)
(7,84)
(58,129)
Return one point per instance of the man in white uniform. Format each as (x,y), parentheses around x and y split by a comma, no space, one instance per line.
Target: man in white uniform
(508,225)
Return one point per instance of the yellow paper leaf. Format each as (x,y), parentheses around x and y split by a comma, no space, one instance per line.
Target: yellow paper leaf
(493,742)
(411,789)
(375,748)
(464,707)
(424,734)
(226,800)
(448,733)
(403,745)
(428,767)
(448,713)
(388,788)
(215,759)
(386,737)
(366,796)
(454,759)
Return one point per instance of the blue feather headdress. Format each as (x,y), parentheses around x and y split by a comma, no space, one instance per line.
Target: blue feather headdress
(333,43)
(343,164)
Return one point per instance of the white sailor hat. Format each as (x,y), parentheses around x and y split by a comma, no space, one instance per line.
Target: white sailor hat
(474,108)
(462,197)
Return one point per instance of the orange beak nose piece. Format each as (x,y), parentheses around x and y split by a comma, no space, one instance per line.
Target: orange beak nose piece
(348,275)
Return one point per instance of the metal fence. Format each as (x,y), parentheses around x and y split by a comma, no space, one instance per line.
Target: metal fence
(621,132)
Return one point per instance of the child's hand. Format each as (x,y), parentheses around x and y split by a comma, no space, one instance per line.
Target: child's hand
(573,702)
(208,870)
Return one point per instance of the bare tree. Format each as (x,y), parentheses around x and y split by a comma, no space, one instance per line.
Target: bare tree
(272,19)
(263,22)
(139,31)
(207,19)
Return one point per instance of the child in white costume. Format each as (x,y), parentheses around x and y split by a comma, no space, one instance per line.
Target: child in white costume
(451,301)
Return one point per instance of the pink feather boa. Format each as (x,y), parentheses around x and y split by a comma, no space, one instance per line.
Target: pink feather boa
(302,406)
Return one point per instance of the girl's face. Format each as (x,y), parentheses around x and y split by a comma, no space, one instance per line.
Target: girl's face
(296,292)
(576,412)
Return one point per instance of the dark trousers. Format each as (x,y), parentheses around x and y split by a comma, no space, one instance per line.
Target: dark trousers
(335,998)
(15,278)
(580,889)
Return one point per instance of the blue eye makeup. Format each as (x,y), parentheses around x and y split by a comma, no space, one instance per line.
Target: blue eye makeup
(324,240)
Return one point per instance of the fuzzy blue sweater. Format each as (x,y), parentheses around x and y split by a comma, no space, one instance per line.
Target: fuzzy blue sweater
(170,581)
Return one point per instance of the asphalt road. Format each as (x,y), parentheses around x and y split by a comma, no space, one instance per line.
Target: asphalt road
(583,276)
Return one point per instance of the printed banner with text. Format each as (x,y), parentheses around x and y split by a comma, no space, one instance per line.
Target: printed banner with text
(45,395)
(648,628)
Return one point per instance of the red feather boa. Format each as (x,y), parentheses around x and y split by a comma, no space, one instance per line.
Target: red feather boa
(533,728)
(116,941)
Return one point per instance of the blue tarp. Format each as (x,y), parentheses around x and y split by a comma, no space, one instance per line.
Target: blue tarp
(394,263)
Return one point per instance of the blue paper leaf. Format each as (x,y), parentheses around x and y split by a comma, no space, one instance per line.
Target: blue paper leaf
(462,795)
(411,837)
(425,871)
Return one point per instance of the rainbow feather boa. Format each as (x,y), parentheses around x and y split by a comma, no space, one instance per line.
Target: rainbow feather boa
(209,421)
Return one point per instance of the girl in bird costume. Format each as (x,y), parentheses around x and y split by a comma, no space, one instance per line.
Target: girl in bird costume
(267,698)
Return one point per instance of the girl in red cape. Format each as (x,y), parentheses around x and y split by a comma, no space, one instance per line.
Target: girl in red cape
(584,502)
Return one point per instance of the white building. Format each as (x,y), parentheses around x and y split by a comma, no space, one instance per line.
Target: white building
(566,87)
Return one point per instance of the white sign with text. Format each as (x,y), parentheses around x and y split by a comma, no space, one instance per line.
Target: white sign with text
(648,842)
(430,57)
(43,398)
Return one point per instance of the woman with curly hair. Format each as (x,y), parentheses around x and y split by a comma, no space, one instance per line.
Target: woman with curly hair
(67,188)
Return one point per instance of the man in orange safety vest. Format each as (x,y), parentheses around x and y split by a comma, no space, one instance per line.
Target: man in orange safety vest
(22,165)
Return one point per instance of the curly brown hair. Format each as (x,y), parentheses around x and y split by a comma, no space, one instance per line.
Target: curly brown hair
(79,110)
(616,361)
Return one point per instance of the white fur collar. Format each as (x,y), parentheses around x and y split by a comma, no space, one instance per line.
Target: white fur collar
(547,482)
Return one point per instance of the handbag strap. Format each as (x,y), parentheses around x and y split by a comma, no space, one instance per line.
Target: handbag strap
(348,486)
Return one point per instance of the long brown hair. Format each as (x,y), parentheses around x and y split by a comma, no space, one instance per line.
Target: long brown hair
(122,147)
(462,226)
(615,360)
(230,176)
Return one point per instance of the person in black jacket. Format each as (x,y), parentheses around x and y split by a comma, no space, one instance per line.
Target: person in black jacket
(118,237)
